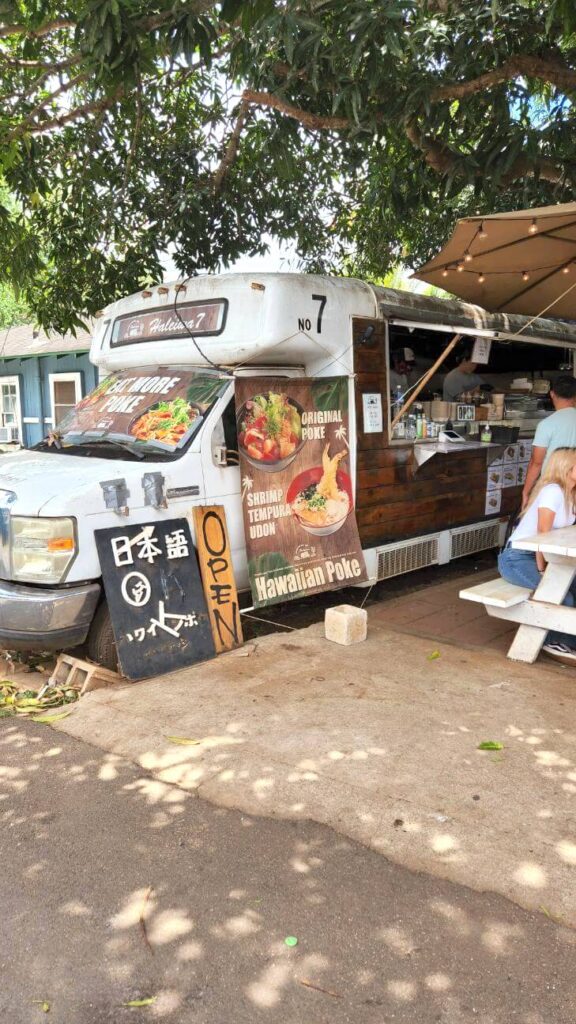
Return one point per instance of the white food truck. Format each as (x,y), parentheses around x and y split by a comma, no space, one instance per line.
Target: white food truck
(135,450)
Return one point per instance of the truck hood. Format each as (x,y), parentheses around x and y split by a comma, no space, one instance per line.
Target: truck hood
(51,484)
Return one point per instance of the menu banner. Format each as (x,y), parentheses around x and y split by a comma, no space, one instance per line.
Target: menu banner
(297,492)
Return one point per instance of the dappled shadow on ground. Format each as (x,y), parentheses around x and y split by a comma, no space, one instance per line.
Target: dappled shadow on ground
(117,886)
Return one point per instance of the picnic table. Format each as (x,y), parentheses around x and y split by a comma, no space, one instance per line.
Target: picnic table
(539,611)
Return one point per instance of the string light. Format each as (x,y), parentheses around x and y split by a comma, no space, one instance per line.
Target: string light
(482,233)
(566,269)
(460,268)
(525,275)
(445,272)
(468,257)
(532,230)
(481,278)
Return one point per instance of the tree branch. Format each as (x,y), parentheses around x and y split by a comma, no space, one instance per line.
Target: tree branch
(554,72)
(232,147)
(305,117)
(23,127)
(35,33)
(98,107)
(443,160)
(15,62)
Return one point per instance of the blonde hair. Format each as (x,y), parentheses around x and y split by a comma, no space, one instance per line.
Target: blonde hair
(557,471)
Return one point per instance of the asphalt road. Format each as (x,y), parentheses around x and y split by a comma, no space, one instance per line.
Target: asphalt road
(91,849)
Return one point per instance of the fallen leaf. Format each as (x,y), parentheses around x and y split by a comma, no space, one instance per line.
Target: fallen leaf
(490,745)
(47,719)
(433,656)
(141,1002)
(44,1004)
(147,896)
(318,988)
(183,741)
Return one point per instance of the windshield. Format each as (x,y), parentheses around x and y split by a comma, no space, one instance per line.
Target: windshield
(158,411)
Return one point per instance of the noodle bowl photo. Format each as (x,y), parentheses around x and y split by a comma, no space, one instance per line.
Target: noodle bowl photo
(321,498)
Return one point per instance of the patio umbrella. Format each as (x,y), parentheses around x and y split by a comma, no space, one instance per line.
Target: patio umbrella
(519,262)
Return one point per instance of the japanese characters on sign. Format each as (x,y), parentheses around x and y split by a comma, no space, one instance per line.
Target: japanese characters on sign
(297,492)
(155,596)
(217,575)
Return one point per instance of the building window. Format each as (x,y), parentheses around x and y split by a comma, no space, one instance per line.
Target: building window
(65,393)
(10,417)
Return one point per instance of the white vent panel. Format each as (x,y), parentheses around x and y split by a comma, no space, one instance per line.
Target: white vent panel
(469,539)
(407,556)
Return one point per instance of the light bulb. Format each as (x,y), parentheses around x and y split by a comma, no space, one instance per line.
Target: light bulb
(533,227)
(566,270)
(460,268)
(481,278)
(468,257)
(445,272)
(525,275)
(482,233)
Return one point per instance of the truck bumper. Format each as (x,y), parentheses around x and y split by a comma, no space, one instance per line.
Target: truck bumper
(33,619)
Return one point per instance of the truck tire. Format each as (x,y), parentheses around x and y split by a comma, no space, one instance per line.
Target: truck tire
(100,645)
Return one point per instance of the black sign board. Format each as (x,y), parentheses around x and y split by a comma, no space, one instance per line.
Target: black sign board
(155,595)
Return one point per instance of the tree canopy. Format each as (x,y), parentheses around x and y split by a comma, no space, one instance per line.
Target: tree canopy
(359,130)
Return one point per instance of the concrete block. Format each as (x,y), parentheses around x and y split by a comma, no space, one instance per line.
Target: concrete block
(346,624)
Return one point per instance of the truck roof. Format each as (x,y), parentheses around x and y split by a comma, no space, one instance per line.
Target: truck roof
(237,320)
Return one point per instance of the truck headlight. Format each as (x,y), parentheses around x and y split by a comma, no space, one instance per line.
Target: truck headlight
(42,549)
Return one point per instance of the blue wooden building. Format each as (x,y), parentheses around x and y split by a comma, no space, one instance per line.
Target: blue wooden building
(41,377)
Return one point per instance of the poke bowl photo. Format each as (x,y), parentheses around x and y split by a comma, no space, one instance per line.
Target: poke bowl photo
(320,512)
(270,431)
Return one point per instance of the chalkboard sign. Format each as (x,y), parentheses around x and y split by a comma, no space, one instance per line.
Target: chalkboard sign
(155,595)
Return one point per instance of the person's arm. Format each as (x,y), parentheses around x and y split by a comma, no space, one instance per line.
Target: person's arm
(533,472)
(546,518)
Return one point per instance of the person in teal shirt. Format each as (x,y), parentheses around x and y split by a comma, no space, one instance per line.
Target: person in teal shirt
(556,431)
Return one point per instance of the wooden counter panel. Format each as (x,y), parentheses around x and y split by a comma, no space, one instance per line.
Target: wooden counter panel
(442,510)
(415,490)
(511,500)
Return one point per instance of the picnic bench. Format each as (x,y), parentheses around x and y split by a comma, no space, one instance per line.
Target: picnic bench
(541,610)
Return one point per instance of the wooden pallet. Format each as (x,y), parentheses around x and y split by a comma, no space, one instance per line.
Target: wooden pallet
(82,675)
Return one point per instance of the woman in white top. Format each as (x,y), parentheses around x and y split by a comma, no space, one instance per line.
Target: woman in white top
(551,505)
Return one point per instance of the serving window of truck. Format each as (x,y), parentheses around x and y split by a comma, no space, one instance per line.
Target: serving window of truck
(442,474)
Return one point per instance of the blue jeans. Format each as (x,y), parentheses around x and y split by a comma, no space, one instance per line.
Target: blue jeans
(520,567)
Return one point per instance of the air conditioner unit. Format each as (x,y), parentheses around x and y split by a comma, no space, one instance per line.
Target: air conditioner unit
(9,434)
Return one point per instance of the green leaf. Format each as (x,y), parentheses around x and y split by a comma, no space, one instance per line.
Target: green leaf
(490,745)
(433,656)
(141,1002)
(48,719)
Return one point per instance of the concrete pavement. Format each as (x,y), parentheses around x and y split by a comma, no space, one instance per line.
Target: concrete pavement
(378,741)
(92,847)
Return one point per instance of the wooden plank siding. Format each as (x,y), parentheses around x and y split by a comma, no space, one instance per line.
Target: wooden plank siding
(394,500)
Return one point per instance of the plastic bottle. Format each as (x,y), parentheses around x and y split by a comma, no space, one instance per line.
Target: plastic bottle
(418,421)
(486,435)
